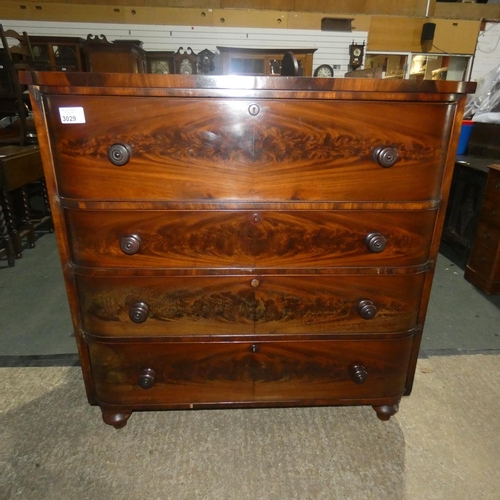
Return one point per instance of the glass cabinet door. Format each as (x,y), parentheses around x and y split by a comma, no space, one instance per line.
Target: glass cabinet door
(388,65)
(440,67)
(419,66)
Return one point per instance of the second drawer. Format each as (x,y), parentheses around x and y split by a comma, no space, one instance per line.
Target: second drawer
(218,239)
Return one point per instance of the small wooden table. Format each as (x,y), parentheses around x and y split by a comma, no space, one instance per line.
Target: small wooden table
(19,166)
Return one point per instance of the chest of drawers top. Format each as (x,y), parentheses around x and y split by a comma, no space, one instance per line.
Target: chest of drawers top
(246,139)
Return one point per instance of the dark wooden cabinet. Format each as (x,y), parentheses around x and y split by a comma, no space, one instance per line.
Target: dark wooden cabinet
(236,246)
(262,62)
(464,206)
(483,267)
(120,56)
(58,53)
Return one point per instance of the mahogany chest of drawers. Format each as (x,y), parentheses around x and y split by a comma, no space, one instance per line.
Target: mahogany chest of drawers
(246,241)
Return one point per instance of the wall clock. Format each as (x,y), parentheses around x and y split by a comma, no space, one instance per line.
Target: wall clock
(356,55)
(324,71)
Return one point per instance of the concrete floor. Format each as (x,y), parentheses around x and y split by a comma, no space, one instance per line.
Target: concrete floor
(443,444)
(35,319)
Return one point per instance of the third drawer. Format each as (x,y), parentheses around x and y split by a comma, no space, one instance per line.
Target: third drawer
(135,306)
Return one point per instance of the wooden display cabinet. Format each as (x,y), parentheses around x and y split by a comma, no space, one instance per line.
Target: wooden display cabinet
(121,56)
(59,53)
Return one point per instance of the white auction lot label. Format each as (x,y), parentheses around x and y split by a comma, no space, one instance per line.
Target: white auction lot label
(72,115)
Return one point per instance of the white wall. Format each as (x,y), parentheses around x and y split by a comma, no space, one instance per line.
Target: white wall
(332,47)
(487,55)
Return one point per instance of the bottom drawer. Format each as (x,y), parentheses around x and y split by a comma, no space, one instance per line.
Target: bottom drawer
(145,375)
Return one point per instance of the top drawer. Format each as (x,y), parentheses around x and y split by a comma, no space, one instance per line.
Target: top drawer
(243,150)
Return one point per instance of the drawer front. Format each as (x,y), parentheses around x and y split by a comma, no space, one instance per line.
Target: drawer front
(234,149)
(492,189)
(482,260)
(295,372)
(216,239)
(490,211)
(488,236)
(189,305)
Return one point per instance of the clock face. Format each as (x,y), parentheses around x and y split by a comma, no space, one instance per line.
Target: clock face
(357,52)
(324,71)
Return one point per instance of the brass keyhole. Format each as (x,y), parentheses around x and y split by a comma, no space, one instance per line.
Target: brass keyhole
(254,109)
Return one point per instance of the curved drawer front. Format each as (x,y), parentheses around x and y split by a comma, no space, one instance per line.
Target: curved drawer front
(234,149)
(188,305)
(189,373)
(216,239)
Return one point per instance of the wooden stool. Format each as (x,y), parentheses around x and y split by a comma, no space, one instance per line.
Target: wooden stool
(20,166)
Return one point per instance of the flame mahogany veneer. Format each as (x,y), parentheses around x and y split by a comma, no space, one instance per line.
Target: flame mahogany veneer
(245,242)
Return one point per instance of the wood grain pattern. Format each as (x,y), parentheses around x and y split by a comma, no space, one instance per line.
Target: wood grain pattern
(214,149)
(192,373)
(233,306)
(240,239)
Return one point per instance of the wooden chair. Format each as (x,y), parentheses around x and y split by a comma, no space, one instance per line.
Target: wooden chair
(14,57)
(289,65)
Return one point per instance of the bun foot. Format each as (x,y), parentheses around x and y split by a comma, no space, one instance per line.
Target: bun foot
(385,412)
(117,420)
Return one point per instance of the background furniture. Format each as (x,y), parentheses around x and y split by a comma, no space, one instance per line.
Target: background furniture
(160,62)
(290,65)
(185,61)
(15,56)
(464,206)
(228,251)
(58,53)
(483,268)
(6,241)
(264,62)
(121,56)
(19,167)
(472,217)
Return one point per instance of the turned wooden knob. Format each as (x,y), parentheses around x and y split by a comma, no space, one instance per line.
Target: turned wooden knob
(358,374)
(119,154)
(146,378)
(255,283)
(375,242)
(385,156)
(256,218)
(130,244)
(139,312)
(367,309)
